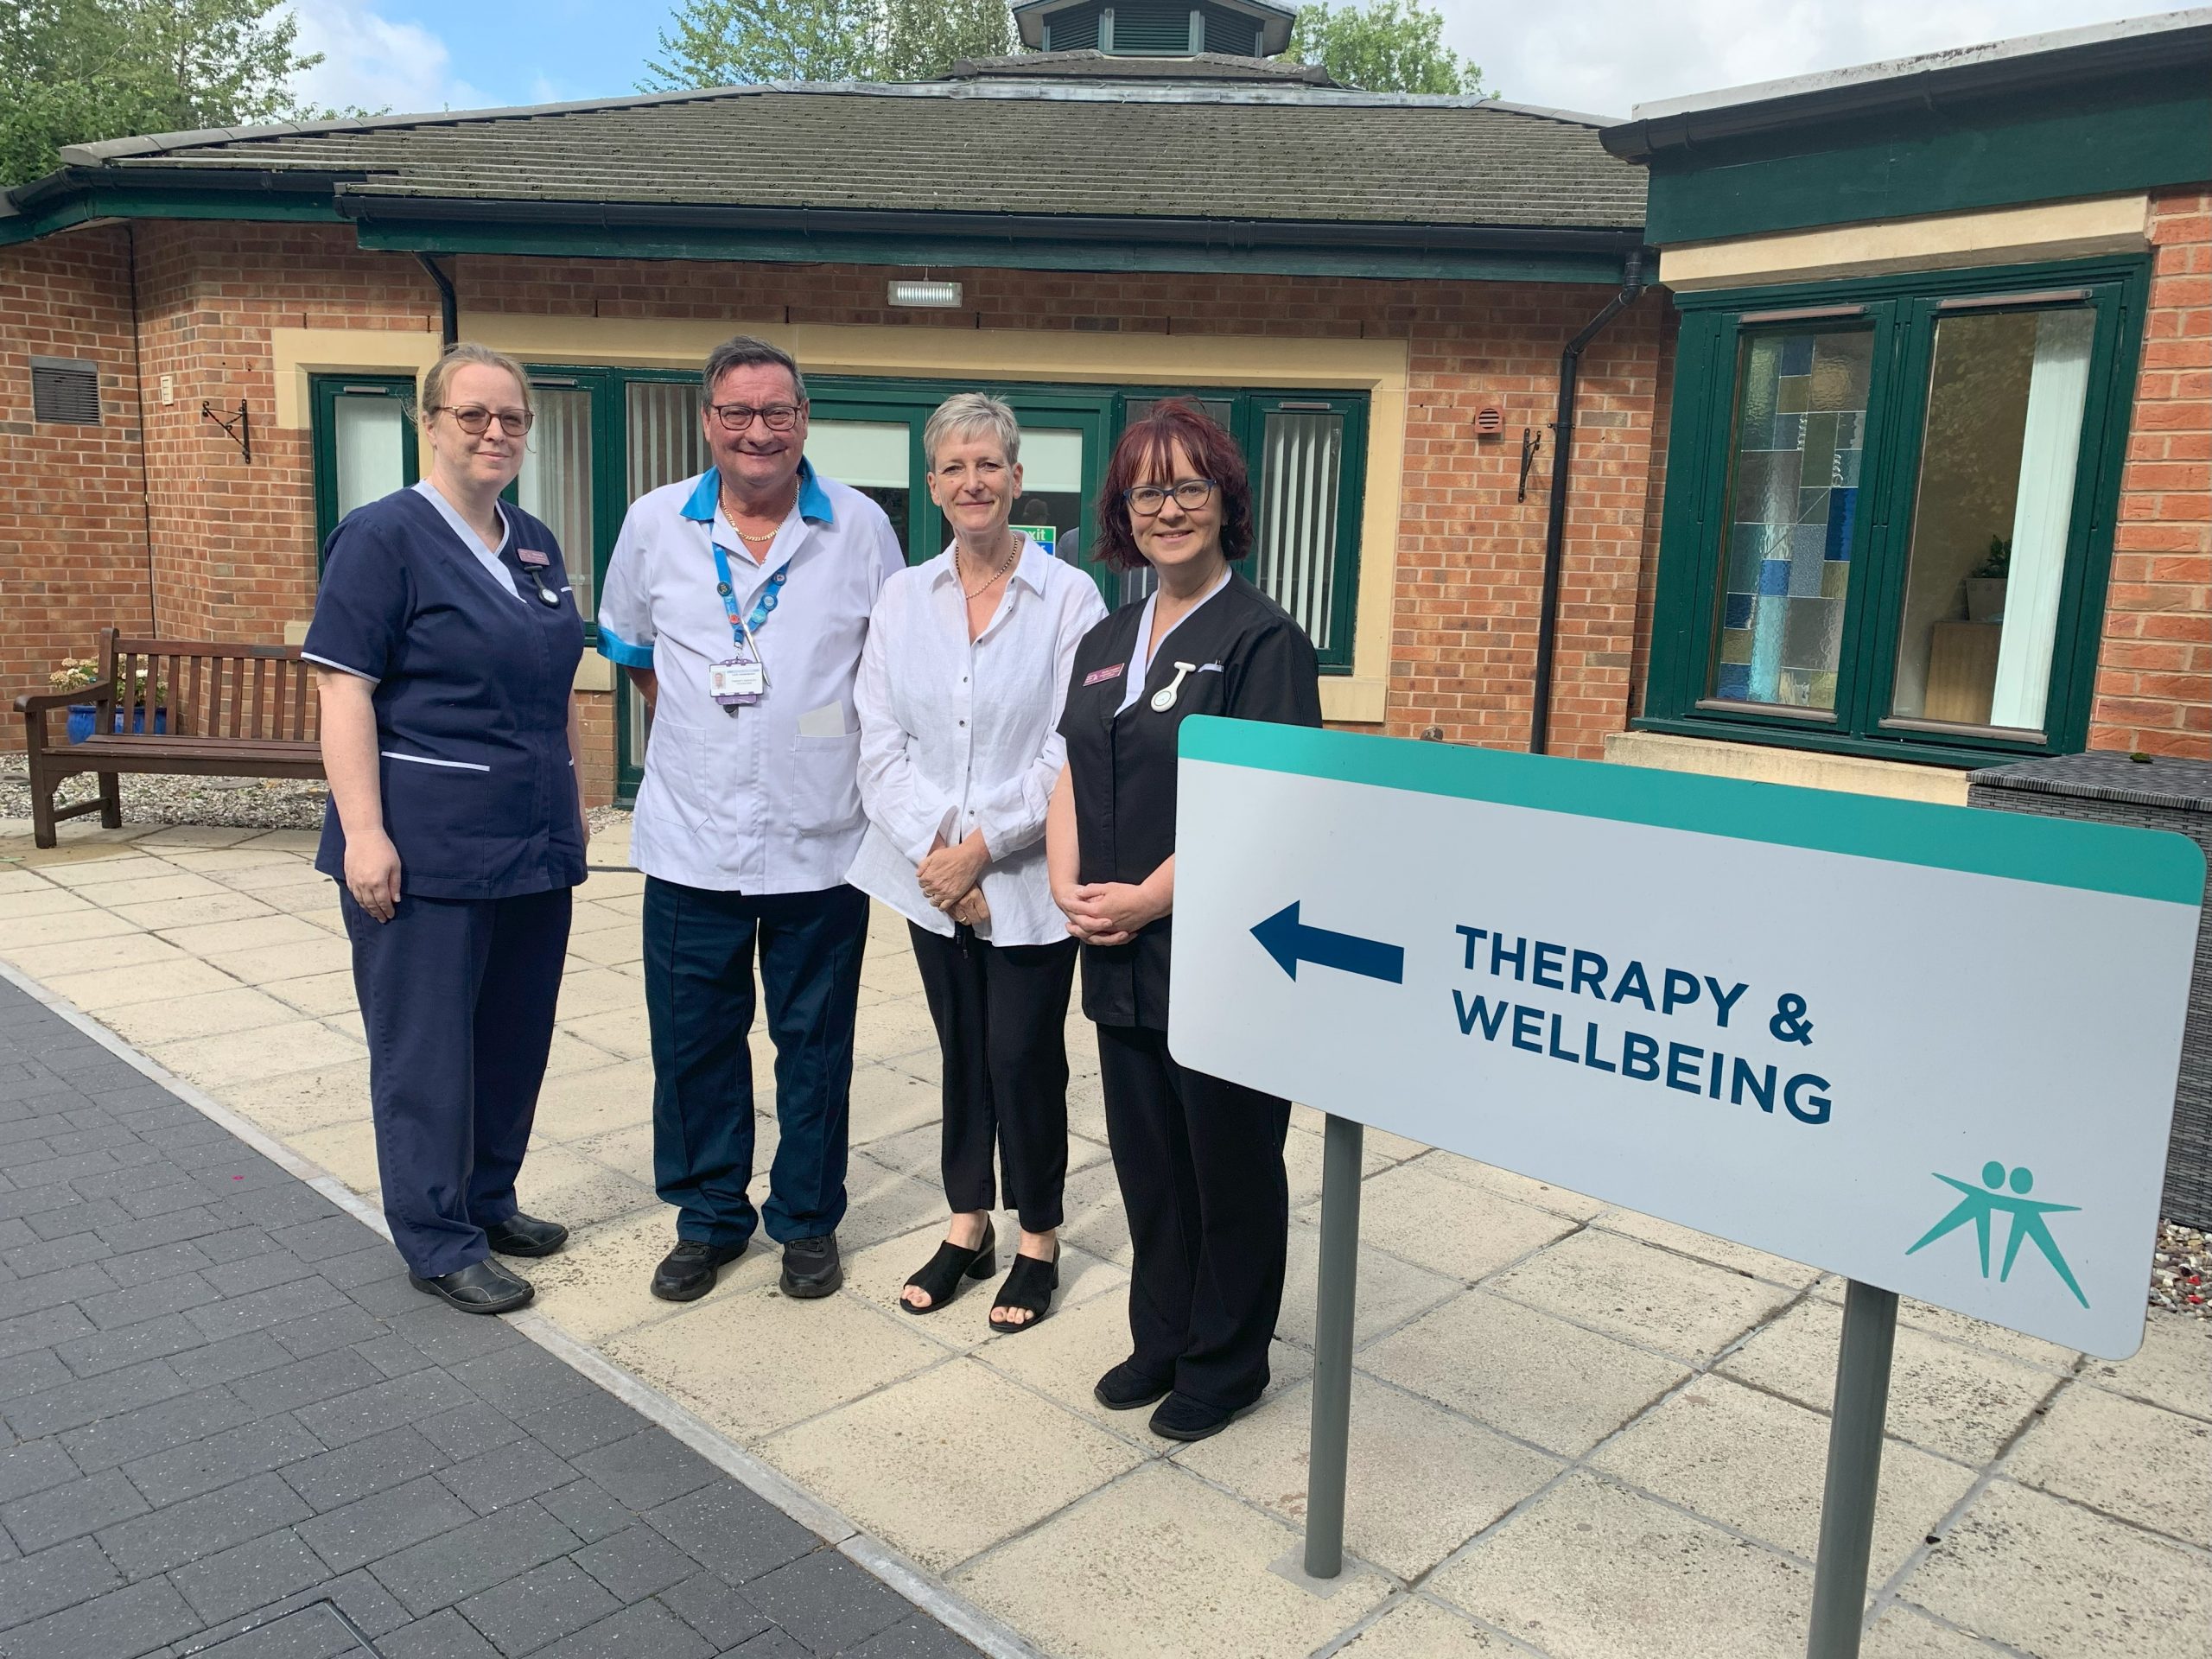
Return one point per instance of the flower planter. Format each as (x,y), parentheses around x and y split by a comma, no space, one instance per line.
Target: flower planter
(84,716)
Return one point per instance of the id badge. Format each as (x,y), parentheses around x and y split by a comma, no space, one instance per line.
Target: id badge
(736,683)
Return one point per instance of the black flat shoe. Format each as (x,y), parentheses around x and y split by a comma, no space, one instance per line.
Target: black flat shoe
(811,1268)
(521,1235)
(1029,1286)
(1181,1418)
(1125,1388)
(480,1287)
(942,1276)
(687,1272)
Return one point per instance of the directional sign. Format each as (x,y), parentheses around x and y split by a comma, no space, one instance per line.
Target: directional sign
(1931,1049)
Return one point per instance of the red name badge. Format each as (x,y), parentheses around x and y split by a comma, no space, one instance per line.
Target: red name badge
(531,556)
(1098,674)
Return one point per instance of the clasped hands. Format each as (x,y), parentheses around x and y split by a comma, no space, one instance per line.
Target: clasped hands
(948,879)
(1108,912)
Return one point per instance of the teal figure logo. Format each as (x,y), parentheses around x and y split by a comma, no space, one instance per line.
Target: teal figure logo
(1981,1203)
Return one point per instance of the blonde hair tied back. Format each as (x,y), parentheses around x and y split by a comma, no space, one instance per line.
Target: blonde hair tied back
(458,356)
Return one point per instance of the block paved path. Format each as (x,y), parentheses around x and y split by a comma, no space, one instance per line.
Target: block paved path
(229,1427)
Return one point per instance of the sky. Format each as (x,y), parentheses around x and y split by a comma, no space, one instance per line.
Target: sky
(1599,56)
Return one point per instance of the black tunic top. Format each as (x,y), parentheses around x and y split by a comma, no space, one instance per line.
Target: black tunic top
(1249,661)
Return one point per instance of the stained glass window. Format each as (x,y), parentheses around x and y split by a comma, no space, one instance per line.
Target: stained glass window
(1800,425)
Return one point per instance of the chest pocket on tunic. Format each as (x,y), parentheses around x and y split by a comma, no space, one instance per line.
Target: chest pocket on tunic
(825,796)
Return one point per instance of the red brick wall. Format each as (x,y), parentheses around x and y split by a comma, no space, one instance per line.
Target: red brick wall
(2154,673)
(72,531)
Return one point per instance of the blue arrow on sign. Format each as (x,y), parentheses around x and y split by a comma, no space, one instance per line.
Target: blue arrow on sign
(1289,941)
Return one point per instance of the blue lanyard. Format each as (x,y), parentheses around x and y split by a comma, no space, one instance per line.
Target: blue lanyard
(742,628)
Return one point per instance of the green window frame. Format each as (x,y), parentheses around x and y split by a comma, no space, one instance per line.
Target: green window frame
(327,395)
(1698,623)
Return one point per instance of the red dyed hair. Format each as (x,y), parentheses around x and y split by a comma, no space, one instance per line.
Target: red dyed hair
(1146,455)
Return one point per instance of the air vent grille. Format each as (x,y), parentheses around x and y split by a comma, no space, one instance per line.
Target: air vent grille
(65,390)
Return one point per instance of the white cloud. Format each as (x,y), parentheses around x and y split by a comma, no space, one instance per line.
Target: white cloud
(1604,56)
(369,62)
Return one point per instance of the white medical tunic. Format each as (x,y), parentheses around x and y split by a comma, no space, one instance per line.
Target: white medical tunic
(762,797)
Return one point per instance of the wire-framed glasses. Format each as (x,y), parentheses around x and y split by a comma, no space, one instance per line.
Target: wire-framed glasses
(1190,493)
(736,418)
(475,420)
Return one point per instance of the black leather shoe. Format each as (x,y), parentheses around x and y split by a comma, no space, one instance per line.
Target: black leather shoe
(521,1235)
(1125,1388)
(480,1287)
(1181,1418)
(687,1272)
(811,1268)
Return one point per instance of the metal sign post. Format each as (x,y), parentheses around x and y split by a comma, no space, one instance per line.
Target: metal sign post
(1330,1444)
(1862,1401)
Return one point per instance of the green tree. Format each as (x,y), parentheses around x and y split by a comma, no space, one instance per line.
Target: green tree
(75,71)
(1386,46)
(736,43)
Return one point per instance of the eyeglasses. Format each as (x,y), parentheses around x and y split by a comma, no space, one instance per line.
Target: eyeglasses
(737,417)
(475,420)
(1190,493)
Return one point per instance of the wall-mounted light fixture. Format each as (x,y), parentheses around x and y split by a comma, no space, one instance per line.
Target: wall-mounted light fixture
(942,296)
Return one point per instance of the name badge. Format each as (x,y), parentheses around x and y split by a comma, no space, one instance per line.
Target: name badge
(735,683)
(531,556)
(1097,675)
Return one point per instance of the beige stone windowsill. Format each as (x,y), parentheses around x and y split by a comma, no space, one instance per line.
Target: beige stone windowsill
(1760,763)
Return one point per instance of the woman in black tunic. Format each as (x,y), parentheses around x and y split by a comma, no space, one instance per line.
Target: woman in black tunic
(1199,1159)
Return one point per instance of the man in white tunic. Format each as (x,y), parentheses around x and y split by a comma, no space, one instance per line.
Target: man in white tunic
(738,603)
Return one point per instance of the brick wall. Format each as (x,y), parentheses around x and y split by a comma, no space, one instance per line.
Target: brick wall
(72,531)
(2154,674)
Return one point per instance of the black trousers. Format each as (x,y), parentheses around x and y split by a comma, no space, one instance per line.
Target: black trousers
(699,949)
(1199,1161)
(457,998)
(1001,1023)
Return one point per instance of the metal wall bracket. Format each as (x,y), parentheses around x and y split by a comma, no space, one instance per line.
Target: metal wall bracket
(1532,445)
(238,428)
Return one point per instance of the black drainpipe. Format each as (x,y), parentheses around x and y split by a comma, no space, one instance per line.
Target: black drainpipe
(1570,361)
(449,305)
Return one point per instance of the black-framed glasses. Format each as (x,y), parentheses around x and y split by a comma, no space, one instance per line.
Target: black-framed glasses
(475,420)
(737,417)
(1190,493)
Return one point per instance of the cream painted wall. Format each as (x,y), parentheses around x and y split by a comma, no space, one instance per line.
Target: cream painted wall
(1378,367)
(2060,230)
(1759,763)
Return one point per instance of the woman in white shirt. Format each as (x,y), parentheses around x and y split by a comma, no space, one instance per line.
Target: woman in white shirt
(960,691)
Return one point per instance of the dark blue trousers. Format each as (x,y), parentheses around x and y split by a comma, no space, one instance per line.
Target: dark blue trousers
(700,946)
(457,996)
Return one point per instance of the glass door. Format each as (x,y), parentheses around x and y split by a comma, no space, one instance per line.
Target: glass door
(365,445)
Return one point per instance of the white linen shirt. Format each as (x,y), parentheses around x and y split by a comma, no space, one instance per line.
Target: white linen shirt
(762,799)
(958,736)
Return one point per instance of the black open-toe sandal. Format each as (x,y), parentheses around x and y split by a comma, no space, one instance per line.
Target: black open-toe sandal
(1029,1286)
(941,1276)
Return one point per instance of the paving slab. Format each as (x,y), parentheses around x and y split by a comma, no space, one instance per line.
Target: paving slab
(2068,1451)
(167,1504)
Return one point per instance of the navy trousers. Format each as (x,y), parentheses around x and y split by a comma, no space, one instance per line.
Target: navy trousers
(700,946)
(457,996)
(1199,1161)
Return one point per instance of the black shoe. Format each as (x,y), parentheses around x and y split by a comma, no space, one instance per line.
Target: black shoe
(1125,1388)
(811,1268)
(941,1277)
(480,1287)
(521,1235)
(1029,1286)
(1181,1418)
(687,1272)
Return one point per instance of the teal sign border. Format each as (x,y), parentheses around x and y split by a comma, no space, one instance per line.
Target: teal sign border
(2058,852)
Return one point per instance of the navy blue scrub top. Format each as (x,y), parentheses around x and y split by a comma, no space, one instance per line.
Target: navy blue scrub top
(472,699)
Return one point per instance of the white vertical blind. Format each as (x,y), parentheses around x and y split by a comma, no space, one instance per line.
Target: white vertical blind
(367,436)
(556,481)
(2043,515)
(1295,560)
(665,442)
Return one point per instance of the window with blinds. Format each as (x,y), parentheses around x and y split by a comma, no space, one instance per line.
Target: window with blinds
(1299,506)
(555,482)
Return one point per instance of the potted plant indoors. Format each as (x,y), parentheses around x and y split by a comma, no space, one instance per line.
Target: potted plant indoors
(1986,586)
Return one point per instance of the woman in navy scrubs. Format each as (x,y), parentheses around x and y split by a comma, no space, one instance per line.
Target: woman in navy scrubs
(446,643)
(1199,1159)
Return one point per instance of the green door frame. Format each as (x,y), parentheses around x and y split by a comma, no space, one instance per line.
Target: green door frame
(323,392)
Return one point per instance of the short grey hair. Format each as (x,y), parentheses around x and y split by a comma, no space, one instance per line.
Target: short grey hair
(968,415)
(744,351)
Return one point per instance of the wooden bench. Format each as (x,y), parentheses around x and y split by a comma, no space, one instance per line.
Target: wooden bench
(202,708)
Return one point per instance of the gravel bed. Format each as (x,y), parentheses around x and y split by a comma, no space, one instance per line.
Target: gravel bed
(226,803)
(2181,1271)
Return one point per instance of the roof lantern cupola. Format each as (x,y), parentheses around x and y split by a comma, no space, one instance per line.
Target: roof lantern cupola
(1156,28)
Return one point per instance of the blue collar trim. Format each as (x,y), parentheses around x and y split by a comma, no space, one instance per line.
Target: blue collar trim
(813,500)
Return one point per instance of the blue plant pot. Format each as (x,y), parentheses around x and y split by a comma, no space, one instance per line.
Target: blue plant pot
(84,716)
(80,720)
(138,719)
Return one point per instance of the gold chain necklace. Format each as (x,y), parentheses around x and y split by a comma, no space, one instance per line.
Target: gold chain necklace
(729,508)
(1004,565)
